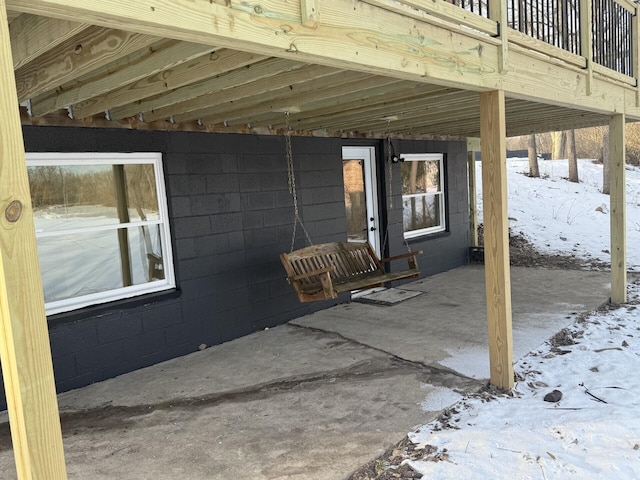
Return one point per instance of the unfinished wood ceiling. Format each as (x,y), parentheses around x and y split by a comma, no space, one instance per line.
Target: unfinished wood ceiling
(73,74)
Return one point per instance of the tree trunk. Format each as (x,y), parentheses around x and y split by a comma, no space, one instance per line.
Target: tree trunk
(534,171)
(571,155)
(558,140)
(606,184)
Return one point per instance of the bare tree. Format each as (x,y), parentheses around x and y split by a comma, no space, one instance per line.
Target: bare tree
(571,155)
(534,171)
(558,141)
(606,184)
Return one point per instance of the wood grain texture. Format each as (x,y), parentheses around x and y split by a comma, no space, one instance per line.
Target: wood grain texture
(618,209)
(166,88)
(93,49)
(224,90)
(496,237)
(309,10)
(586,41)
(32,36)
(357,37)
(498,13)
(25,353)
(136,66)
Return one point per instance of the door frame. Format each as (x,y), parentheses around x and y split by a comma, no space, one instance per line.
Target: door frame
(368,156)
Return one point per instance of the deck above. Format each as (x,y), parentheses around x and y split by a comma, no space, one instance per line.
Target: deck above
(348,68)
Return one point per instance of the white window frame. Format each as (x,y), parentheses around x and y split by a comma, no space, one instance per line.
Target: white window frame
(417,157)
(92,158)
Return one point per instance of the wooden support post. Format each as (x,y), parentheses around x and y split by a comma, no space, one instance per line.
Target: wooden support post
(498,13)
(473,146)
(24,337)
(586,40)
(618,209)
(496,237)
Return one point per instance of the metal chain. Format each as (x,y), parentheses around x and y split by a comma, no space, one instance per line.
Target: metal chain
(292,185)
(390,162)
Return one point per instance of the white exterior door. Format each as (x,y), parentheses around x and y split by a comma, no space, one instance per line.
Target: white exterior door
(361,195)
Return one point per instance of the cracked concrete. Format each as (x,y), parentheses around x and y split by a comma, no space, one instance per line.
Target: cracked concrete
(314,399)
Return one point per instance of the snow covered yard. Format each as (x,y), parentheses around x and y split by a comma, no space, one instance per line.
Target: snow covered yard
(593,430)
(563,217)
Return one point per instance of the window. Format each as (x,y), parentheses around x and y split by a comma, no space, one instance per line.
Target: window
(101,227)
(423,200)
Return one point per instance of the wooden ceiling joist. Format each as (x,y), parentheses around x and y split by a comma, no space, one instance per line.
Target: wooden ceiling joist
(156,77)
(32,36)
(94,48)
(160,56)
(165,88)
(264,88)
(294,99)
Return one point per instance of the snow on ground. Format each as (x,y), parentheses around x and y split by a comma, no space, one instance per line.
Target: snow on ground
(593,432)
(560,216)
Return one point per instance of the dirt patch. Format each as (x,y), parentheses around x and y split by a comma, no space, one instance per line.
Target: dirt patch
(389,466)
(523,253)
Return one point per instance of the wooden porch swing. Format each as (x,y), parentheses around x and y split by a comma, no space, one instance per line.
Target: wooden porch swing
(323,271)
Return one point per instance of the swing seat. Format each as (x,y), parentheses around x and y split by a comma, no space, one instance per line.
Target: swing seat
(321,272)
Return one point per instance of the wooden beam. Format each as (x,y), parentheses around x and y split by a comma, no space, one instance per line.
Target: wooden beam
(402,100)
(352,35)
(25,353)
(496,237)
(162,90)
(144,63)
(32,36)
(586,40)
(618,209)
(473,146)
(439,12)
(294,99)
(310,12)
(95,48)
(11,15)
(498,13)
(262,89)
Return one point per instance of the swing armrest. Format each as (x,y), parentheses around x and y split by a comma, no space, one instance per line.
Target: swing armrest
(311,273)
(401,256)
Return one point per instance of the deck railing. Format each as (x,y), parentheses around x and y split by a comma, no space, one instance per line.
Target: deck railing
(558,23)
(613,36)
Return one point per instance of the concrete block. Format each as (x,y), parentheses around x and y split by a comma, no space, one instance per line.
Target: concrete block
(192,227)
(95,360)
(249,182)
(110,330)
(64,367)
(223,183)
(143,345)
(258,200)
(226,222)
(180,207)
(73,337)
(164,315)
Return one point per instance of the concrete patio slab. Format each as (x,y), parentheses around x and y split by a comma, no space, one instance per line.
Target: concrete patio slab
(314,399)
(447,325)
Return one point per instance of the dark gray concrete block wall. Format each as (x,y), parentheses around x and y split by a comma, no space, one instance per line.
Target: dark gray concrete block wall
(231,216)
